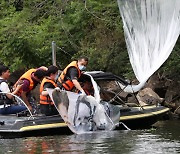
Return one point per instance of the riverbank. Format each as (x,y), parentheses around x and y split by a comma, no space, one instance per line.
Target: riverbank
(167,87)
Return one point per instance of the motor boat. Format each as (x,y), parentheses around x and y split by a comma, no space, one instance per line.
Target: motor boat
(133,116)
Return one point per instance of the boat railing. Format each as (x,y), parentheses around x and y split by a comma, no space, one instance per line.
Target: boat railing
(19,99)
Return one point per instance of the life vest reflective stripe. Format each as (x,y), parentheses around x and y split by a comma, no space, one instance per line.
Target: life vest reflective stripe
(27,76)
(46,99)
(68,84)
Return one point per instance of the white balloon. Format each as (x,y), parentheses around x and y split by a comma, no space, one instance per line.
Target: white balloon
(151,29)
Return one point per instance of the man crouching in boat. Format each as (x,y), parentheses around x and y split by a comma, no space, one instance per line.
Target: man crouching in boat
(70,75)
(29,81)
(46,105)
(6,100)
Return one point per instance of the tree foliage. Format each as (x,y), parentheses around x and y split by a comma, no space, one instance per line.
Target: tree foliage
(89,27)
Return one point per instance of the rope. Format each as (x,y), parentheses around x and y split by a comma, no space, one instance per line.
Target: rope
(125,125)
(85,6)
(67,32)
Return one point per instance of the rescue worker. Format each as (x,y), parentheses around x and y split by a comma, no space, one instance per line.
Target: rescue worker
(7,105)
(46,105)
(70,75)
(29,81)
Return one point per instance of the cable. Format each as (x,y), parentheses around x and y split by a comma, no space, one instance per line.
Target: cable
(64,51)
(85,6)
(67,32)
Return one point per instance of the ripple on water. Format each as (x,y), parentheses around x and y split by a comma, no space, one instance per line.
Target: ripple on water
(149,143)
(155,141)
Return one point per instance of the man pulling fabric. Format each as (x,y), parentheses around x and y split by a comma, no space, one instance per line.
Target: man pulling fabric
(70,75)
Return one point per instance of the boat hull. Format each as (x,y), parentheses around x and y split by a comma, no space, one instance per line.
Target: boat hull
(133,117)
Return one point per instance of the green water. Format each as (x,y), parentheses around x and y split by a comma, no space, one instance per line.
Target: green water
(164,139)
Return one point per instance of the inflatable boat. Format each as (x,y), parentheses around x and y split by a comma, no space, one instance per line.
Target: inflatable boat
(131,116)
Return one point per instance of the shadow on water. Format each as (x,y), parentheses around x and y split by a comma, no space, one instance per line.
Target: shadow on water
(164,139)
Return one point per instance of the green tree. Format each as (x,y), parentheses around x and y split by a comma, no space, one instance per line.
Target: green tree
(89,27)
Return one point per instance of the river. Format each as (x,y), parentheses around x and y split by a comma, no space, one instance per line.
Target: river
(164,138)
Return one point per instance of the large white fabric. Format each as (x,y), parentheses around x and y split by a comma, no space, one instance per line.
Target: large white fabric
(76,110)
(151,30)
(96,89)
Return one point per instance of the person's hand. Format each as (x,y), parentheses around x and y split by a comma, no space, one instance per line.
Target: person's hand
(19,86)
(30,107)
(82,92)
(58,89)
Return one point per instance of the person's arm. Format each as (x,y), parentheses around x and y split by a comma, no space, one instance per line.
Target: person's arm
(14,92)
(47,85)
(25,99)
(78,86)
(5,88)
(73,74)
(25,90)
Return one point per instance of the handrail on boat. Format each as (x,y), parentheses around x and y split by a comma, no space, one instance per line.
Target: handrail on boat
(31,115)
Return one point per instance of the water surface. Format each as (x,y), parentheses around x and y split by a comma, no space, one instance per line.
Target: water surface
(163,139)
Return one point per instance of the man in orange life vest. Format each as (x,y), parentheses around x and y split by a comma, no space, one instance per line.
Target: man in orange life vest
(46,105)
(29,81)
(70,75)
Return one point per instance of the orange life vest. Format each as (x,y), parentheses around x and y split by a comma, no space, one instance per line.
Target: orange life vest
(27,76)
(68,84)
(46,99)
